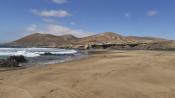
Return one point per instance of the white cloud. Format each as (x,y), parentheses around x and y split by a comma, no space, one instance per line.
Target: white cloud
(48,20)
(58,30)
(59,1)
(61,30)
(72,23)
(51,13)
(127,15)
(152,13)
(32,28)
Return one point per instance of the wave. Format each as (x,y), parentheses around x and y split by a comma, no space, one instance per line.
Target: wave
(34,52)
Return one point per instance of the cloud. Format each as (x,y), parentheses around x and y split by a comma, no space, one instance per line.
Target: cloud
(48,20)
(72,23)
(51,13)
(62,30)
(152,13)
(32,28)
(58,30)
(59,1)
(128,15)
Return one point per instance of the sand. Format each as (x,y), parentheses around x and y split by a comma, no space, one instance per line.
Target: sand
(111,74)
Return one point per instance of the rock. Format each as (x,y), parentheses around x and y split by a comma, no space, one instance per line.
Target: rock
(47,53)
(12,61)
(8,63)
(19,59)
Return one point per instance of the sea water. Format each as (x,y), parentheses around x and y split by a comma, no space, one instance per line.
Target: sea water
(33,52)
(37,55)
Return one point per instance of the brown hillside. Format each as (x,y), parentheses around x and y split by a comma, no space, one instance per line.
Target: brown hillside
(49,40)
(107,37)
(70,41)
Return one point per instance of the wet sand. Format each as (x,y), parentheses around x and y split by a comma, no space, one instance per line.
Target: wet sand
(110,74)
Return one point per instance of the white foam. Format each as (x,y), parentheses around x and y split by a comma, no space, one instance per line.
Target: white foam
(26,54)
(33,52)
(65,52)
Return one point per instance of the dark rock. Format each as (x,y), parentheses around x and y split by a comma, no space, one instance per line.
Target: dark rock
(12,61)
(47,53)
(8,63)
(19,59)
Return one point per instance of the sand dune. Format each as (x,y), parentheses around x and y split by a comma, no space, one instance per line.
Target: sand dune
(111,74)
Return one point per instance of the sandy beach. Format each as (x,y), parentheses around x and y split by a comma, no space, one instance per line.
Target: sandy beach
(106,74)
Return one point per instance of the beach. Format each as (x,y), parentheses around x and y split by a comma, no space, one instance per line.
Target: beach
(103,74)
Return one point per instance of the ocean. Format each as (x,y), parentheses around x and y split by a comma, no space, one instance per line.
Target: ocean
(40,56)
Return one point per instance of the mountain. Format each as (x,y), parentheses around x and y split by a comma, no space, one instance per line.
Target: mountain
(110,37)
(44,40)
(145,39)
(104,40)
(107,37)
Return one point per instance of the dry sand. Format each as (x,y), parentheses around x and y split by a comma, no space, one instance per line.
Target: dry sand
(112,74)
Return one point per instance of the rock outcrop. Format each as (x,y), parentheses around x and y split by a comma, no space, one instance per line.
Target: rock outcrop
(12,61)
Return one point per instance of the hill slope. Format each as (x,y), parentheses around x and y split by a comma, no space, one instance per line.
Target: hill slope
(48,40)
(107,37)
(70,41)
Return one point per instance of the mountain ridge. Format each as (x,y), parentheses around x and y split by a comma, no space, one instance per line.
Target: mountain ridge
(38,39)
(64,41)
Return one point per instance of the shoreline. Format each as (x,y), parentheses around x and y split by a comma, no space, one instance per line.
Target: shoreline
(87,54)
(82,55)
(110,74)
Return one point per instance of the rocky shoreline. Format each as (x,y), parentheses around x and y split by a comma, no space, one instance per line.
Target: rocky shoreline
(45,59)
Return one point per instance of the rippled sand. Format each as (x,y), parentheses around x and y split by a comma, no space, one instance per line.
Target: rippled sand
(111,74)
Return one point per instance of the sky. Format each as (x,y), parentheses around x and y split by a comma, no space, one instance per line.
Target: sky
(81,18)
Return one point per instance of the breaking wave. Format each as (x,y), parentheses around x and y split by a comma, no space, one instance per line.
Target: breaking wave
(34,52)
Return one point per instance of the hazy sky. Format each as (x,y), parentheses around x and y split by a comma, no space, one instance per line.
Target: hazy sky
(85,17)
